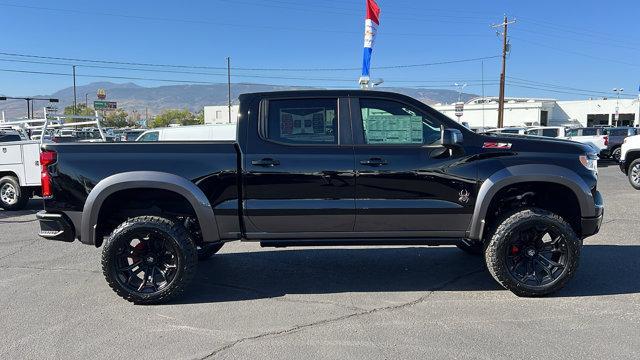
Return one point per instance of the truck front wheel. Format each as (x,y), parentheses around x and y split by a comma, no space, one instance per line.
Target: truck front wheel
(149,259)
(533,252)
(12,196)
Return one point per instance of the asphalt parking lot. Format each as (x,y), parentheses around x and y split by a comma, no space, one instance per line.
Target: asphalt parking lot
(348,303)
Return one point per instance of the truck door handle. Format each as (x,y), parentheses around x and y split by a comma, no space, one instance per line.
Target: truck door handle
(266,162)
(374,162)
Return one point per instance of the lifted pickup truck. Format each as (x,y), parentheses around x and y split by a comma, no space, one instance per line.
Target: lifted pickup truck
(319,168)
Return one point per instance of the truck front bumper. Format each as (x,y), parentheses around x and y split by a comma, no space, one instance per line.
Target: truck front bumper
(591,225)
(55,227)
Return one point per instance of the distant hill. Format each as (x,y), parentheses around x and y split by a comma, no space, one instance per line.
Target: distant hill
(131,96)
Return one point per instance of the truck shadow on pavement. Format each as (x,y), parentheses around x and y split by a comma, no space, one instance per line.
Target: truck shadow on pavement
(604,270)
(32,207)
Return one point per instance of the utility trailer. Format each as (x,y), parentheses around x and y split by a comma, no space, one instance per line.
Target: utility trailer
(20,169)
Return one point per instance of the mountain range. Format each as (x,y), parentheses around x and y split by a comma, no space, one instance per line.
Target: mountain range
(130,96)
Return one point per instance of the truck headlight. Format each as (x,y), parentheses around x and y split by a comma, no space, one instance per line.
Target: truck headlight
(590,161)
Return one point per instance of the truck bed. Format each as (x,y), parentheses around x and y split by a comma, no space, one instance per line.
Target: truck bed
(212,166)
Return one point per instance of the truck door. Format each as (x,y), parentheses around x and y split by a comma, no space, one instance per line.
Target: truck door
(406,182)
(31,159)
(299,178)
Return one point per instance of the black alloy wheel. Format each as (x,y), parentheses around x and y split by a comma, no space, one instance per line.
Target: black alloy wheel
(533,252)
(537,255)
(146,263)
(149,260)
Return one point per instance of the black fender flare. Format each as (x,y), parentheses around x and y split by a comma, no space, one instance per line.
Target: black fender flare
(153,180)
(528,173)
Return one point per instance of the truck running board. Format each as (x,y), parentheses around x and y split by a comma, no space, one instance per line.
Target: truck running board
(361,242)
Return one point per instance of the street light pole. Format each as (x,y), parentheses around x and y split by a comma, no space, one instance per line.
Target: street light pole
(229,86)
(75,99)
(617,115)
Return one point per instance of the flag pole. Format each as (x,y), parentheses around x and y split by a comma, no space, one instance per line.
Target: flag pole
(371,23)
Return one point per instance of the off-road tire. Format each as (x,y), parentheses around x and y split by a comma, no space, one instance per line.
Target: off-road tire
(175,234)
(500,241)
(475,249)
(635,183)
(205,251)
(11,182)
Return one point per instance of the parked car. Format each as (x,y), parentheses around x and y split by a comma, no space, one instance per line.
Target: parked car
(9,135)
(547,131)
(508,130)
(13,130)
(594,137)
(190,133)
(630,160)
(325,167)
(131,134)
(616,139)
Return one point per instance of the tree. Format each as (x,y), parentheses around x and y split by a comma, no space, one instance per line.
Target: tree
(81,110)
(174,116)
(117,118)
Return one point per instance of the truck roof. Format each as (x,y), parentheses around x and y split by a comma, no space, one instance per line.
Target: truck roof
(324,92)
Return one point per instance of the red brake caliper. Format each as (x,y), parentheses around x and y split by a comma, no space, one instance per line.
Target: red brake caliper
(514,249)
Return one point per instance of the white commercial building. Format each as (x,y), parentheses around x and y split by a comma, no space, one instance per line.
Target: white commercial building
(483,112)
(219,114)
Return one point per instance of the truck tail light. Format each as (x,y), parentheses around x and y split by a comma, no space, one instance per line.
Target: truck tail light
(606,140)
(46,158)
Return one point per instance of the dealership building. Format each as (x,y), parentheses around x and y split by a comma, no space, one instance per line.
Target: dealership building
(219,114)
(483,112)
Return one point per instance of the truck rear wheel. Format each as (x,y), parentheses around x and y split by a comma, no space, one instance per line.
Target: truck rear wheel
(149,260)
(12,196)
(533,252)
(634,174)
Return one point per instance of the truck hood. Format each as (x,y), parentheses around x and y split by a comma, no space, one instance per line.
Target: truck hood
(541,144)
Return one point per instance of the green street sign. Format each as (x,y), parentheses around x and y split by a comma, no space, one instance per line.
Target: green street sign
(105,105)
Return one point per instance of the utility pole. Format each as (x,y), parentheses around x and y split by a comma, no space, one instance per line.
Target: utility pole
(75,99)
(229,86)
(505,44)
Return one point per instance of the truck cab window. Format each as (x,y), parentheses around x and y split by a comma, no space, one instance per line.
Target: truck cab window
(391,122)
(303,121)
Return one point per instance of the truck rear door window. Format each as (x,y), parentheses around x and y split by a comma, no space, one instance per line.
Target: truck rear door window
(303,121)
(395,123)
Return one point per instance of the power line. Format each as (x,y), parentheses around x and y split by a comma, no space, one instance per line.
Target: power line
(576,53)
(538,83)
(574,30)
(555,35)
(441,83)
(205,22)
(76,60)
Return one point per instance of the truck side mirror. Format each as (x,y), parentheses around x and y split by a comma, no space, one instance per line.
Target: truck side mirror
(451,138)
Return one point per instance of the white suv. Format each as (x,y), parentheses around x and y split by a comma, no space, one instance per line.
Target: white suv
(630,160)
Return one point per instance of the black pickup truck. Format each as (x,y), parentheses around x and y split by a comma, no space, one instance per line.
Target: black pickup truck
(320,168)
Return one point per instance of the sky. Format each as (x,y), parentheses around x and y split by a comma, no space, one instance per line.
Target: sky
(559,49)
